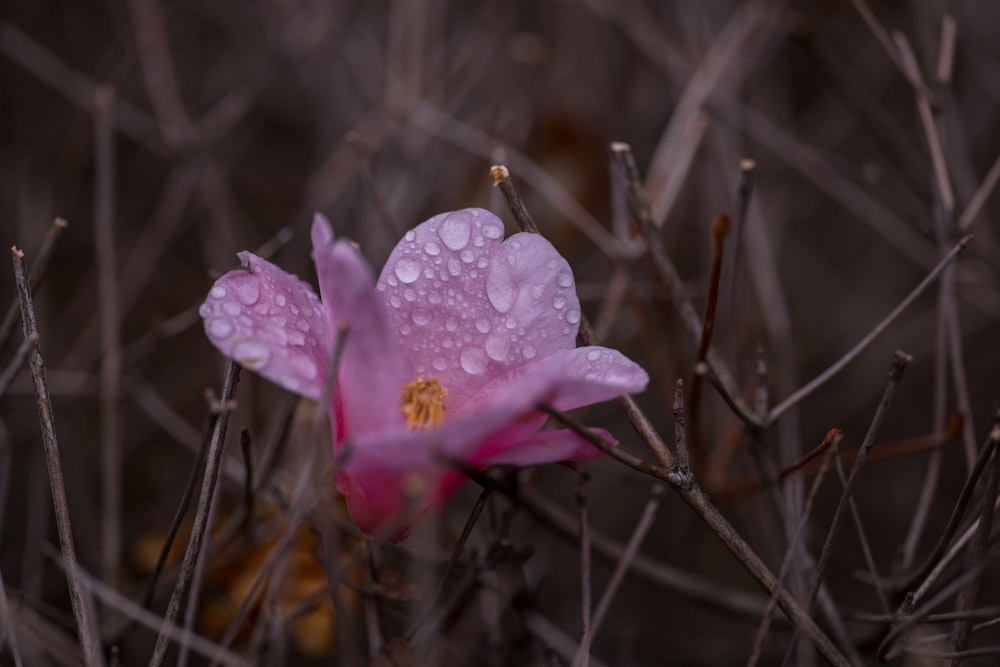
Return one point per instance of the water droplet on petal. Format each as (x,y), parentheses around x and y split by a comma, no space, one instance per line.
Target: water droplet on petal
(405,329)
(219,327)
(594,355)
(434,298)
(536,291)
(564,279)
(280,300)
(248,290)
(482,325)
(467,256)
(528,352)
(455,231)
(262,308)
(510,323)
(231,308)
(410,235)
(454,267)
(206,310)
(493,229)
(573,316)
(497,346)
(473,360)
(500,289)
(432,249)
(558,302)
(420,317)
(302,326)
(218,292)
(440,364)
(482,263)
(251,354)
(394,300)
(406,269)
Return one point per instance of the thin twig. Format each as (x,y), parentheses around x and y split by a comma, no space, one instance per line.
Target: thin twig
(502,180)
(967,598)
(200,526)
(639,209)
(38,267)
(851,354)
(88,637)
(246,452)
(899,362)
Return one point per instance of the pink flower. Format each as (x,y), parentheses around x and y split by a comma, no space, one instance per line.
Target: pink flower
(446,356)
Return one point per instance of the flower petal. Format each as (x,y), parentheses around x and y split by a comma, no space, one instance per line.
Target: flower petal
(372,371)
(499,421)
(470,307)
(270,322)
(549,446)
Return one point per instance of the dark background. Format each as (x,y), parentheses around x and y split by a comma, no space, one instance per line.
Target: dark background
(234,121)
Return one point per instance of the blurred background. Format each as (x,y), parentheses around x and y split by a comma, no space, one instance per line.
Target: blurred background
(171,134)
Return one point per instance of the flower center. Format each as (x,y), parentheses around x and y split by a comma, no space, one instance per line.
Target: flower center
(423,403)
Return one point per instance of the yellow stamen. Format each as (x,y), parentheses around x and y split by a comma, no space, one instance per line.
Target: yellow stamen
(423,403)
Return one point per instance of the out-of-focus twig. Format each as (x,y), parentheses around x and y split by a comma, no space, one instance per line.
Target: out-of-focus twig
(851,354)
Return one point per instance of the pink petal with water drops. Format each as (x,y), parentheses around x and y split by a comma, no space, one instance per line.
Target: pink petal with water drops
(470,306)
(371,371)
(270,322)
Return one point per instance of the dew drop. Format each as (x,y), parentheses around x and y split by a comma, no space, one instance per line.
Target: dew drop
(380,287)
(573,316)
(218,292)
(564,279)
(231,308)
(440,364)
(405,329)
(395,301)
(280,300)
(500,289)
(593,355)
(510,323)
(536,291)
(219,327)
(512,259)
(206,310)
(496,347)
(528,352)
(248,291)
(493,229)
(467,256)
(558,303)
(296,338)
(251,354)
(482,325)
(478,242)
(262,308)
(473,360)
(451,324)
(482,263)
(406,269)
(392,281)
(455,231)
(432,249)
(302,326)
(420,317)
(454,267)
(409,294)
(410,235)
